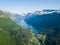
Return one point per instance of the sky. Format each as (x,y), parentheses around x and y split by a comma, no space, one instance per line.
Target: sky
(25,6)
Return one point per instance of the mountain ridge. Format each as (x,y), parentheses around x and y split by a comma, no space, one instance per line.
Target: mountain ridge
(13,34)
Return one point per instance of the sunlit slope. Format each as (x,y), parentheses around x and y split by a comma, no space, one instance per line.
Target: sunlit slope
(12,34)
(6,24)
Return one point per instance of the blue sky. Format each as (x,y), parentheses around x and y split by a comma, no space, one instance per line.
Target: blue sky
(25,6)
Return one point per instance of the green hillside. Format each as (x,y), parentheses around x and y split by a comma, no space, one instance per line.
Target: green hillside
(12,34)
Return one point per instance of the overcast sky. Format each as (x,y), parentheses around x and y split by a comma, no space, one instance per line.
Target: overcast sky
(25,6)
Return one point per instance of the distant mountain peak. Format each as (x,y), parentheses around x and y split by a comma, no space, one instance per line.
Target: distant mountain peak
(44,11)
(48,10)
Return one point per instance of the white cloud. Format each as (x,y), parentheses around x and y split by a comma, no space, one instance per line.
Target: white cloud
(14,11)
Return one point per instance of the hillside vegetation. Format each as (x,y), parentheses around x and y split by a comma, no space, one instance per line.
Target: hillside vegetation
(13,34)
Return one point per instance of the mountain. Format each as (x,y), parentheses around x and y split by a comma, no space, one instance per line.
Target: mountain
(13,34)
(46,22)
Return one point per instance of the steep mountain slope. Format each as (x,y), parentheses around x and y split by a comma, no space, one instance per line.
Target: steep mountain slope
(5,26)
(13,34)
(47,23)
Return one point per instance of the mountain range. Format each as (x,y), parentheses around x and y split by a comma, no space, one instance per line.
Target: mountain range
(45,24)
(13,34)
